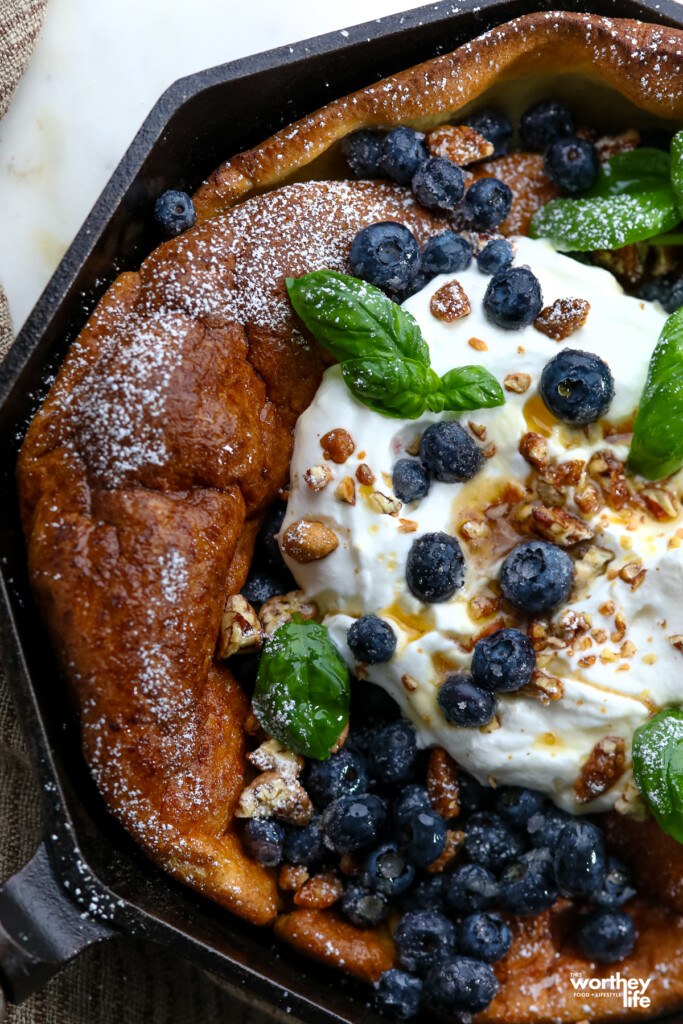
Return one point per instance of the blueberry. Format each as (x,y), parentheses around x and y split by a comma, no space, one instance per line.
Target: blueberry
(371,640)
(448,453)
(422,837)
(537,576)
(385,254)
(517,805)
(544,122)
(674,299)
(513,298)
(504,660)
(487,203)
(426,894)
(461,985)
(371,709)
(341,774)
(545,826)
(471,888)
(362,906)
(657,290)
(464,703)
(446,253)
(363,151)
(438,184)
(411,799)
(394,752)
(572,163)
(579,859)
(494,126)
(421,937)
(472,795)
(303,843)
(485,937)
(262,584)
(435,568)
(617,887)
(495,256)
(490,841)
(527,886)
(576,386)
(174,212)
(263,840)
(351,822)
(607,935)
(403,150)
(409,480)
(387,871)
(398,994)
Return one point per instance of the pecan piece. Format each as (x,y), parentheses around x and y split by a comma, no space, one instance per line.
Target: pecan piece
(454,840)
(534,448)
(346,491)
(292,877)
(364,474)
(318,477)
(442,783)
(241,630)
(562,318)
(588,567)
(560,526)
(544,687)
(307,542)
(517,382)
(337,445)
(662,504)
(458,143)
(449,303)
(282,608)
(382,504)
(605,764)
(272,756)
(273,795)
(610,145)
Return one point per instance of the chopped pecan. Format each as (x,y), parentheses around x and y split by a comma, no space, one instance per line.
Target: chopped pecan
(442,783)
(560,526)
(567,474)
(273,795)
(341,740)
(307,542)
(449,303)
(320,892)
(478,429)
(382,504)
(489,450)
(630,803)
(661,503)
(474,529)
(346,491)
(478,345)
(364,474)
(458,143)
(292,877)
(609,471)
(610,145)
(318,477)
(676,640)
(534,448)
(454,840)
(337,445)
(605,764)
(410,683)
(483,605)
(241,630)
(407,525)
(591,564)
(562,318)
(272,756)
(587,500)
(278,610)
(517,382)
(544,687)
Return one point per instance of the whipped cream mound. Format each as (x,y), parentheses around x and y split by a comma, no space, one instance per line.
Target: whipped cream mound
(610,656)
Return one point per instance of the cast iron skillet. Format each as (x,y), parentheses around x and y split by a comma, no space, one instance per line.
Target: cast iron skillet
(88,880)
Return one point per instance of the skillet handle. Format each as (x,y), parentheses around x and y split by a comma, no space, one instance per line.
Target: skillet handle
(41,929)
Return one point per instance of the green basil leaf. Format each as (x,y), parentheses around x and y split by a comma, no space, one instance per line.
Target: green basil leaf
(470,387)
(351,318)
(658,768)
(639,170)
(302,689)
(605,222)
(677,169)
(657,446)
(393,386)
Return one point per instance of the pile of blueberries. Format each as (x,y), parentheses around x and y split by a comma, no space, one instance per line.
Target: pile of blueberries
(388,255)
(519,854)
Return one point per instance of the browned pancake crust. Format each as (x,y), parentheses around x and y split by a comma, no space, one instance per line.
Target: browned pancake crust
(168,430)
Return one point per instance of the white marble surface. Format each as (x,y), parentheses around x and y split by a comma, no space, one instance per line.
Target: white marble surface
(96,71)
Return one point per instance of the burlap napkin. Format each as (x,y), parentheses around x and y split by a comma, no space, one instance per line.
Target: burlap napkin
(121,981)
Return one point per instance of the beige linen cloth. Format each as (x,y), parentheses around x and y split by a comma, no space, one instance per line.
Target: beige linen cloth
(120,981)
